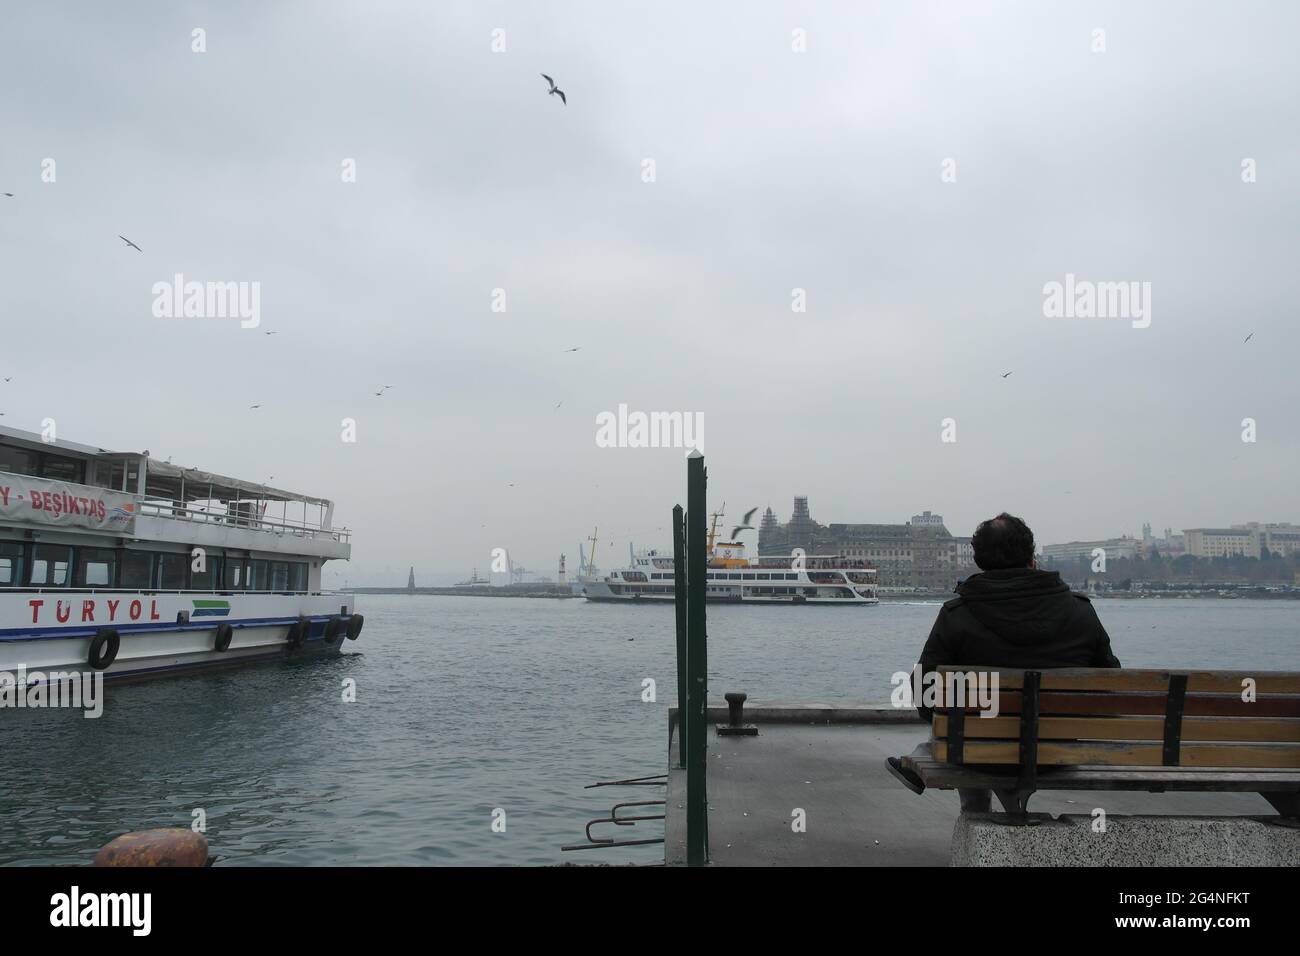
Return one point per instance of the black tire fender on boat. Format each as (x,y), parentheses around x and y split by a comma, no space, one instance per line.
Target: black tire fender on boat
(103,648)
(355,625)
(332,628)
(225,634)
(298,632)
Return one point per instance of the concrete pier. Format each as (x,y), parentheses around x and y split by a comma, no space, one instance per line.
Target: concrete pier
(980,839)
(828,761)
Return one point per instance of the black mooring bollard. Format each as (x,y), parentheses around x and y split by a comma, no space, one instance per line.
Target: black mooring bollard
(735,726)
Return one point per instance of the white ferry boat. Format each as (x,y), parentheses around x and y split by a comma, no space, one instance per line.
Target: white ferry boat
(117,562)
(733,579)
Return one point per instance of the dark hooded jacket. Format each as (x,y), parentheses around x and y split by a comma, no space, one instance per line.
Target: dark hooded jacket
(1020,618)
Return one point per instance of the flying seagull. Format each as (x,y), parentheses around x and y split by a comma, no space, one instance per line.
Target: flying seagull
(744,525)
(276,332)
(130,243)
(574,350)
(254,406)
(382,389)
(1008,373)
(10,195)
(558,404)
(555,90)
(1249,337)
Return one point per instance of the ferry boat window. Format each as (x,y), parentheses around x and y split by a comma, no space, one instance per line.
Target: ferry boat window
(169,571)
(298,576)
(109,474)
(235,574)
(11,564)
(17,461)
(279,575)
(209,579)
(257,578)
(137,570)
(96,568)
(58,468)
(50,565)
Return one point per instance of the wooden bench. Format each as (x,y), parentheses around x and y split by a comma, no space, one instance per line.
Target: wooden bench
(1115,729)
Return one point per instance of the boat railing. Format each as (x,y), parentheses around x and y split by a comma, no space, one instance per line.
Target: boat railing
(155,591)
(283,525)
(228,514)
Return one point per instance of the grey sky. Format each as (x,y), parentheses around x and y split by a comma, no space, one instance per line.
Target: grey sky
(775,170)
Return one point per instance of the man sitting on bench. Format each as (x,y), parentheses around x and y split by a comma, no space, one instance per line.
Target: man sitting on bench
(1013,615)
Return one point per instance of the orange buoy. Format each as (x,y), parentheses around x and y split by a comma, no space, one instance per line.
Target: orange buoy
(175,846)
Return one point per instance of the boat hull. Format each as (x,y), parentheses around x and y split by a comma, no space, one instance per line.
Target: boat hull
(601,592)
(162,634)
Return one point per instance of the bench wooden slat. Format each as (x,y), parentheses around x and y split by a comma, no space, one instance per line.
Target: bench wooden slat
(1241,729)
(1055,753)
(1120,679)
(946,776)
(1195,705)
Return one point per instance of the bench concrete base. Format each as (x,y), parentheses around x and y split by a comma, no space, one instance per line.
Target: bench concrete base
(982,839)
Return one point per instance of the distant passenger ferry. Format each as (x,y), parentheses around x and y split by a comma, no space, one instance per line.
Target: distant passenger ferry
(786,579)
(116,562)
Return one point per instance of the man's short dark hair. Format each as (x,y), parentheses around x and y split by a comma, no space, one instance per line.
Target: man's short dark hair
(1003,542)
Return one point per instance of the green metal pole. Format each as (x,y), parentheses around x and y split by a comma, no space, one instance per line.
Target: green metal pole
(679,594)
(697,849)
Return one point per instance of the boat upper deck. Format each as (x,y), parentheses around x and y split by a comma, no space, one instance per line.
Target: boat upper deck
(52,485)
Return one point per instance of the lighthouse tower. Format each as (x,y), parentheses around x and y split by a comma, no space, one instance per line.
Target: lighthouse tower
(410,581)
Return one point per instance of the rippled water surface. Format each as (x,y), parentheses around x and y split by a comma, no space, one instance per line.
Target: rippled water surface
(466,704)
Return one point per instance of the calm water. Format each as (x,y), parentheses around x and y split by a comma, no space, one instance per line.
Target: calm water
(469,704)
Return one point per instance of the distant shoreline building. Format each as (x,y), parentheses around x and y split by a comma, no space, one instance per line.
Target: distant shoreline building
(1251,539)
(917,555)
(1071,551)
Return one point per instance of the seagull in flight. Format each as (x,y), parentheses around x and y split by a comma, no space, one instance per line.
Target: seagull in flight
(276,332)
(558,404)
(1005,375)
(579,348)
(554,90)
(254,406)
(382,389)
(1249,337)
(130,243)
(10,195)
(744,525)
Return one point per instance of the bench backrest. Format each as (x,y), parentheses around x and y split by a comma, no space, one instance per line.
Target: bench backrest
(1122,718)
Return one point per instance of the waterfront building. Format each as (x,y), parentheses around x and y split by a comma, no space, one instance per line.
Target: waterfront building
(1250,539)
(1072,551)
(916,555)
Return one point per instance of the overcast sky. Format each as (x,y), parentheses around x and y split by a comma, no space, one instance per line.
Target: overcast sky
(774,170)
